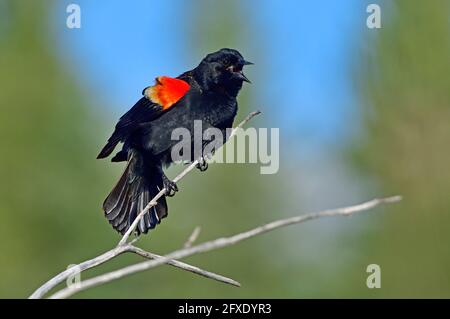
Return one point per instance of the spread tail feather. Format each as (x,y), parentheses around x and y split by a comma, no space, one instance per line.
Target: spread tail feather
(134,190)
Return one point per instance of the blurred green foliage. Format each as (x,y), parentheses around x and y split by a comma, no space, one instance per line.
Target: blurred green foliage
(51,185)
(405,85)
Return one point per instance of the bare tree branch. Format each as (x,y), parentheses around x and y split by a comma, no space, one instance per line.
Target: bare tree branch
(110,254)
(193,237)
(122,246)
(185,266)
(220,243)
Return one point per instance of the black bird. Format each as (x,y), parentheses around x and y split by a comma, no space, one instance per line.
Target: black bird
(207,93)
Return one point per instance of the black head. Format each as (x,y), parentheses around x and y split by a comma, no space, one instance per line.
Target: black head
(222,70)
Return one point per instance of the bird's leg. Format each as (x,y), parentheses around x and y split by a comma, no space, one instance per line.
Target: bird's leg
(170,186)
(202,161)
(202,164)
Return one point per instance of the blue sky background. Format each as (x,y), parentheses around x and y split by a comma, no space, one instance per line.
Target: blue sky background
(308,48)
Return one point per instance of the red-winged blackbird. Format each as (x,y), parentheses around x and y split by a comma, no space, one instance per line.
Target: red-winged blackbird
(207,93)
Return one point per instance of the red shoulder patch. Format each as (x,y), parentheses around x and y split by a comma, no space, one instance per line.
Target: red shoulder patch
(167,91)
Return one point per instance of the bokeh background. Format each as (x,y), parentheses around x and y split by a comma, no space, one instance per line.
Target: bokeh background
(362,113)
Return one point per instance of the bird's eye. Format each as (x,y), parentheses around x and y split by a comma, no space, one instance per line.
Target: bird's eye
(234,68)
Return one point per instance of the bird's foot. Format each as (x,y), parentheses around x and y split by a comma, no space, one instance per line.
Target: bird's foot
(170,186)
(202,164)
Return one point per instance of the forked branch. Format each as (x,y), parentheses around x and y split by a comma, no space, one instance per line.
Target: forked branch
(220,243)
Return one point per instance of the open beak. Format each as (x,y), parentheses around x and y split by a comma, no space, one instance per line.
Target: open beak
(239,73)
(241,76)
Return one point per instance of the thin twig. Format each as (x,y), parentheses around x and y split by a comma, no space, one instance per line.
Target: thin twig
(155,199)
(187,267)
(193,237)
(220,243)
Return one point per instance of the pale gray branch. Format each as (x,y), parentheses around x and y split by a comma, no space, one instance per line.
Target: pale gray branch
(110,254)
(72,271)
(220,243)
(187,267)
(193,237)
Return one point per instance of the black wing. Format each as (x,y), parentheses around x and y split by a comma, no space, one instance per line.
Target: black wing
(143,111)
